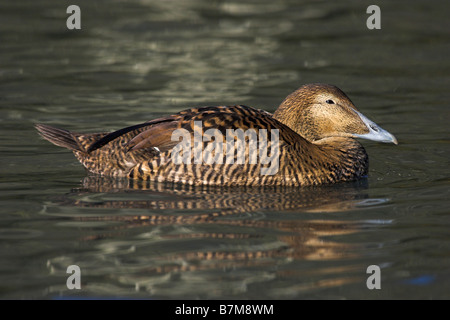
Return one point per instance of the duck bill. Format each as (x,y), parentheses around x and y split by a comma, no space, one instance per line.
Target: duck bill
(376,133)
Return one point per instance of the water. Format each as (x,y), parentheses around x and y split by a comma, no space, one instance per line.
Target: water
(136,60)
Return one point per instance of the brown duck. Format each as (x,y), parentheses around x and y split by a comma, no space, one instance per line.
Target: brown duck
(309,140)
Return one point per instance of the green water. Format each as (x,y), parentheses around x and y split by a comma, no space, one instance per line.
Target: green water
(136,60)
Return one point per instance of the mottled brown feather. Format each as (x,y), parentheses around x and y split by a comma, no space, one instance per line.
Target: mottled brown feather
(156,136)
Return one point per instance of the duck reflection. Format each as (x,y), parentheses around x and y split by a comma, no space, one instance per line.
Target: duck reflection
(255,208)
(183,229)
(330,198)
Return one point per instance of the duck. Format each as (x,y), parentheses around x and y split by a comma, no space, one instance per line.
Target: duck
(311,139)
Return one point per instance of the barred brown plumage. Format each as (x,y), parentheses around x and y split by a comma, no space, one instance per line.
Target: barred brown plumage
(317,127)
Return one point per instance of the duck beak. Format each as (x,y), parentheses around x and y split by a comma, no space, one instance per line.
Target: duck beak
(376,133)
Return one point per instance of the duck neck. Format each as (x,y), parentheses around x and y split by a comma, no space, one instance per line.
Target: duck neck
(335,159)
(349,154)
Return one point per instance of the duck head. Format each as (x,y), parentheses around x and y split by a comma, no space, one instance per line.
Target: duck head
(320,111)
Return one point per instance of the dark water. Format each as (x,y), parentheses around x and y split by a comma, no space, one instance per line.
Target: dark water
(136,60)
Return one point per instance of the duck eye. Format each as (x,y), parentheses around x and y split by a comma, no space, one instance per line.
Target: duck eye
(329,101)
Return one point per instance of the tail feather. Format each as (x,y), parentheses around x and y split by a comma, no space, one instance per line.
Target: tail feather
(111,158)
(59,137)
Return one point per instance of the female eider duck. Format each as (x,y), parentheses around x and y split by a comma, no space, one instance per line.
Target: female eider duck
(309,140)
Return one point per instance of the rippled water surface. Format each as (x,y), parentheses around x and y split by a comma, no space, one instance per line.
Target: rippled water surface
(136,60)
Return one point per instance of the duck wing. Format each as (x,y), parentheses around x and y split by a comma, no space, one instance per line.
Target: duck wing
(222,118)
(121,132)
